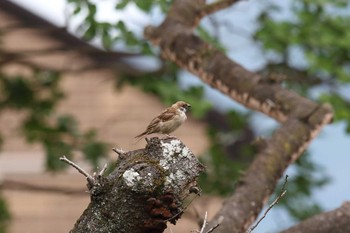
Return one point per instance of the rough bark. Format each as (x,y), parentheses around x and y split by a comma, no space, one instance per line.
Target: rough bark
(336,221)
(301,118)
(178,44)
(259,181)
(146,189)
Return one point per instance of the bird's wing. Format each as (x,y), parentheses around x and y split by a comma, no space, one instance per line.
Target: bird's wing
(167,115)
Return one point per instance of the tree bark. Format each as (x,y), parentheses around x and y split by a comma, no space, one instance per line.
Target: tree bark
(302,119)
(178,44)
(336,221)
(145,191)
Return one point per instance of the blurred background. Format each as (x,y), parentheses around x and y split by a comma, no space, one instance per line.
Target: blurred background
(77,79)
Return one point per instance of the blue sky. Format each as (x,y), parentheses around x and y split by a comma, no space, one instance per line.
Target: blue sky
(330,149)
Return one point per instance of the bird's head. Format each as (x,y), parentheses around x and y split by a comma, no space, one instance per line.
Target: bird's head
(181,105)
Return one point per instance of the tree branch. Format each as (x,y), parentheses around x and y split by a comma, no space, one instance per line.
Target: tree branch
(335,221)
(146,190)
(217,70)
(215,6)
(275,202)
(258,182)
(302,119)
(89,178)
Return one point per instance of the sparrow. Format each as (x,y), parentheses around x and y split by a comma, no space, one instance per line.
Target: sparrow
(168,121)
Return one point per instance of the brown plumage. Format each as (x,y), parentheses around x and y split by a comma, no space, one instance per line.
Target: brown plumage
(168,121)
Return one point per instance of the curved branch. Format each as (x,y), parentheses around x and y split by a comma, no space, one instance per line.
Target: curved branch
(335,221)
(259,181)
(217,70)
(302,119)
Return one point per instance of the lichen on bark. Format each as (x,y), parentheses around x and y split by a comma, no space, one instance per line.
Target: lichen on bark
(145,190)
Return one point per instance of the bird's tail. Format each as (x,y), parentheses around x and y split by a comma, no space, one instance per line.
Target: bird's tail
(139,137)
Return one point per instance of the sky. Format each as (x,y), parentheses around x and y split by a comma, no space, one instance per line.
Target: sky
(330,149)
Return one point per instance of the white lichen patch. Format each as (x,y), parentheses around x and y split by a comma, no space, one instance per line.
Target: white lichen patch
(172,147)
(180,175)
(177,161)
(170,150)
(169,179)
(174,178)
(186,153)
(131,177)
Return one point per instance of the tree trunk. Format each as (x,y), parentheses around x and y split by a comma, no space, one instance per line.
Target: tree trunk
(146,189)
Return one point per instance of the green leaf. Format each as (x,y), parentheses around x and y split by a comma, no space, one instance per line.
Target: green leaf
(122,4)
(107,40)
(77,10)
(92,9)
(144,5)
(90,33)
(67,124)
(17,92)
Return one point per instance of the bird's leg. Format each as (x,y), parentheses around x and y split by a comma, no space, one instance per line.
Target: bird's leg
(168,136)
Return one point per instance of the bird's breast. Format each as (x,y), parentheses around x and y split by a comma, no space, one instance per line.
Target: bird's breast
(171,125)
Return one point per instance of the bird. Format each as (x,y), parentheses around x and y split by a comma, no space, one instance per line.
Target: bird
(168,121)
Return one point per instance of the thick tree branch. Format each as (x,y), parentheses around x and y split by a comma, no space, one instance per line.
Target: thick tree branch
(302,119)
(144,192)
(275,202)
(216,6)
(257,184)
(217,70)
(335,221)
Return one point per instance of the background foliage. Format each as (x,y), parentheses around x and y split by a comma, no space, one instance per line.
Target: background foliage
(231,148)
(310,49)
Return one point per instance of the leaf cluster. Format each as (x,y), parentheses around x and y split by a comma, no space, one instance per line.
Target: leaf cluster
(230,152)
(319,31)
(36,96)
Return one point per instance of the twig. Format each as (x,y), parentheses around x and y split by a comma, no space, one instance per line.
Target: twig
(89,178)
(103,170)
(118,151)
(204,222)
(283,192)
(221,218)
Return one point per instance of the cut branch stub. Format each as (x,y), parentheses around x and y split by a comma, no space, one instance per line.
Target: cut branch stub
(146,189)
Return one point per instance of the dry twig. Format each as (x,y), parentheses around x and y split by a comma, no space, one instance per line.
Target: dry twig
(282,193)
(205,222)
(89,178)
